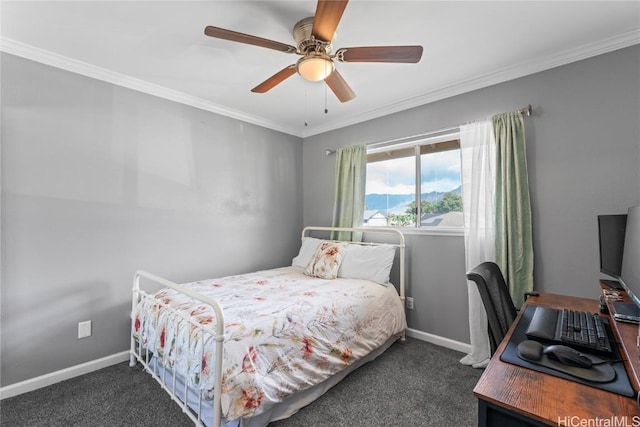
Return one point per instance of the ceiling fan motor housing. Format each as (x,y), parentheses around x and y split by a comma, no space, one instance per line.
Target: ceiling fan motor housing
(306,42)
(316,63)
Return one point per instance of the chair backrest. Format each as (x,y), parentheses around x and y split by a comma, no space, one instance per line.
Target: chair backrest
(501,312)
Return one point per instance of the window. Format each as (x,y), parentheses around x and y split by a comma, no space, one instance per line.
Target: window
(420,179)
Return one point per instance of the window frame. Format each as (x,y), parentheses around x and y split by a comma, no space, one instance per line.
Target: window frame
(446,140)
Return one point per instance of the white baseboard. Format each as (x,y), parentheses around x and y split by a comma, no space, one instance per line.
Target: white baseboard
(438,340)
(62,375)
(84,368)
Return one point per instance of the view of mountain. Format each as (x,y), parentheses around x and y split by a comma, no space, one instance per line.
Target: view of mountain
(397,203)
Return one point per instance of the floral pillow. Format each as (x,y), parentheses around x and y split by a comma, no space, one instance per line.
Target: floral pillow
(326,261)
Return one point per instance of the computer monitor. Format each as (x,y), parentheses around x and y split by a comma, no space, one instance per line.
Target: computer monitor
(630,270)
(629,277)
(611,231)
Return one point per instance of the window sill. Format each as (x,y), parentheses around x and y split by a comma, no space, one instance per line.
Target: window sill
(434,231)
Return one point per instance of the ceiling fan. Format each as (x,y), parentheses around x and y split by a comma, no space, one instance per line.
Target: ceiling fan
(314,37)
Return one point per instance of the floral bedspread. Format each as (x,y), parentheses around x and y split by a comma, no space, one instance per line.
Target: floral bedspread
(284,332)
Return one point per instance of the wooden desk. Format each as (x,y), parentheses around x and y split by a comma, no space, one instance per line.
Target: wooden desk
(510,395)
(627,333)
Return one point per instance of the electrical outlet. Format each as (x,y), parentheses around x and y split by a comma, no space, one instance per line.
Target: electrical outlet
(84,329)
(410,303)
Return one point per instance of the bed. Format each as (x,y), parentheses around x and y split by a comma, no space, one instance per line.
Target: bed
(248,349)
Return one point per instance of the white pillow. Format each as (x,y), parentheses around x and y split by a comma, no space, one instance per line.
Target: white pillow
(368,262)
(325,263)
(307,249)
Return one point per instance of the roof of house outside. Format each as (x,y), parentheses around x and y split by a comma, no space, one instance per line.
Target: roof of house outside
(447,219)
(371,213)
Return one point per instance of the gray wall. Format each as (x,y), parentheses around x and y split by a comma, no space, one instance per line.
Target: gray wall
(583,147)
(99,181)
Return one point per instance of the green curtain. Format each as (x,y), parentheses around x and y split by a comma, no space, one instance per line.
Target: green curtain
(514,246)
(348,208)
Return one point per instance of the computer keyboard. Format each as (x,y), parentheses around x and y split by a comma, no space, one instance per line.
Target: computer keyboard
(578,329)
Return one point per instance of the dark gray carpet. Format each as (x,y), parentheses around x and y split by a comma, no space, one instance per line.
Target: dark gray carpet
(414,383)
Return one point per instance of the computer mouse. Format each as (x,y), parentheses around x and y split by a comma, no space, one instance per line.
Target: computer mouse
(567,356)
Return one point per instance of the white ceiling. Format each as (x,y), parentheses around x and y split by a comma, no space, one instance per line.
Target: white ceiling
(159,47)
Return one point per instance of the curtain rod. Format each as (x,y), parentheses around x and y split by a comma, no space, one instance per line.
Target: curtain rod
(525,111)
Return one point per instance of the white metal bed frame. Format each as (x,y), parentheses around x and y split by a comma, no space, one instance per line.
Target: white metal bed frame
(140,354)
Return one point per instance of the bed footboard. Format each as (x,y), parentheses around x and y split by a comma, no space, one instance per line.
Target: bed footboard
(140,354)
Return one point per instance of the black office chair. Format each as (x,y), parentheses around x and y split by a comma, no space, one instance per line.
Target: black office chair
(501,312)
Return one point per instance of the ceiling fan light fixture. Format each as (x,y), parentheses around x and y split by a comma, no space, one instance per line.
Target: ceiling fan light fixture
(315,67)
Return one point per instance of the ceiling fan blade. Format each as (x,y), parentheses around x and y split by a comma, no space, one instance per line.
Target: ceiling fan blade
(339,86)
(234,36)
(403,54)
(327,17)
(276,79)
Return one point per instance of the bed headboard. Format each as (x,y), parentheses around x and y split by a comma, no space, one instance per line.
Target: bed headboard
(395,234)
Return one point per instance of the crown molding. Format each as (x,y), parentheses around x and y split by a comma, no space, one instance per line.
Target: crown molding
(66,63)
(509,73)
(522,69)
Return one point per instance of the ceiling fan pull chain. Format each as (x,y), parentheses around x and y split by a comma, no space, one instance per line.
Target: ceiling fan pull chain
(326,110)
(306,107)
